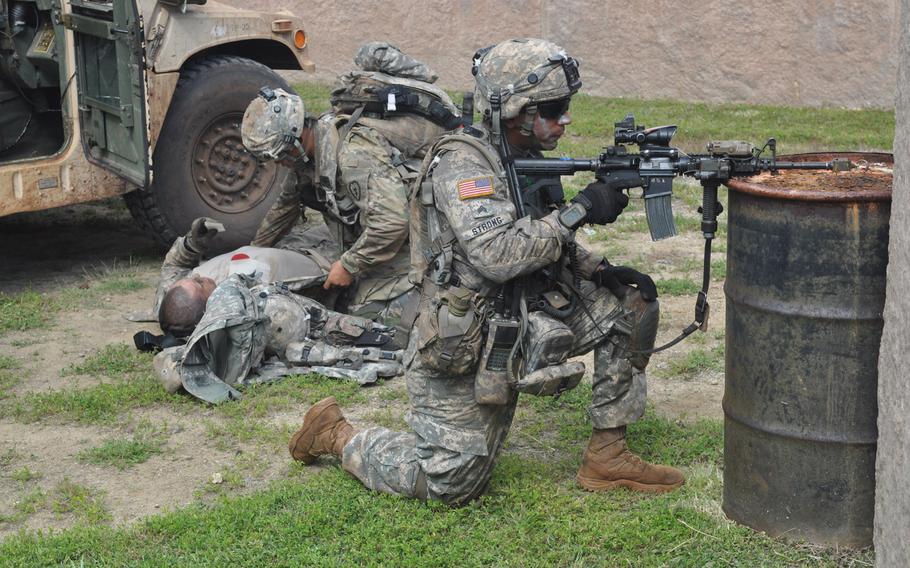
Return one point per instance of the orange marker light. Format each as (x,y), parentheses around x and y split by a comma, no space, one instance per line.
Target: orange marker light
(299,39)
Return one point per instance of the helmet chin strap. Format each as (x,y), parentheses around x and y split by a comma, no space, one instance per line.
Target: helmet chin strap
(496,115)
(301,158)
(527,127)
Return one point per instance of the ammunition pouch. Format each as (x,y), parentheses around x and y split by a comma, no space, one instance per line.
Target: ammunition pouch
(449,332)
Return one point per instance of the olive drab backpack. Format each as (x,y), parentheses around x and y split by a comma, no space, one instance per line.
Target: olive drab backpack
(391,93)
(390,83)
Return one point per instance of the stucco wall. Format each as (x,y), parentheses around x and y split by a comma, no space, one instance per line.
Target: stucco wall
(794,52)
(892,470)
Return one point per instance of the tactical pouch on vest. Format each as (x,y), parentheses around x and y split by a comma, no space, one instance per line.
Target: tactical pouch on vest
(494,379)
(454,318)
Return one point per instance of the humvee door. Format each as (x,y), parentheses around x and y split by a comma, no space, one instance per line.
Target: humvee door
(110,78)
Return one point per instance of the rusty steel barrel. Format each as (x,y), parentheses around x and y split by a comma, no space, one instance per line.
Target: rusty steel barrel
(805,292)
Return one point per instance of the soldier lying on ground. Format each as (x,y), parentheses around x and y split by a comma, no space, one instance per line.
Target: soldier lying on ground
(354,164)
(509,296)
(244,327)
(186,281)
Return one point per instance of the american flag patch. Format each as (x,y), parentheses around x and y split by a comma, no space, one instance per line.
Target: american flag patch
(477,187)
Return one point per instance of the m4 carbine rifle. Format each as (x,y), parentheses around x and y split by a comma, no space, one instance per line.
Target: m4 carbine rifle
(656,165)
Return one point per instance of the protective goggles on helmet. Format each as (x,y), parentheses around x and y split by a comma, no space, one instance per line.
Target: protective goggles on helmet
(553,109)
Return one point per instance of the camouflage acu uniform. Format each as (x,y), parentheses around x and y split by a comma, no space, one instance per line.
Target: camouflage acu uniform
(255,333)
(450,453)
(361,176)
(372,243)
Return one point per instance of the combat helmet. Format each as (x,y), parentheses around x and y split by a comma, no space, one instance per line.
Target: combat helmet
(272,125)
(521,73)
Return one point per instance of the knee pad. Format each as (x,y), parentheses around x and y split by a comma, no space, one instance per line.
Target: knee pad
(645,317)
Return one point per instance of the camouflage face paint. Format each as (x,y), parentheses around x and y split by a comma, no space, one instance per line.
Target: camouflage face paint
(548,131)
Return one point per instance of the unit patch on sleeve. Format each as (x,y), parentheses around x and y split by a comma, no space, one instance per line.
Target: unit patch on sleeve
(476,187)
(487,225)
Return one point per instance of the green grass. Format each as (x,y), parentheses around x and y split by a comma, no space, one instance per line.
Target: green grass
(719,269)
(387,418)
(122,453)
(66,498)
(797,129)
(36,310)
(99,404)
(533,515)
(315,96)
(247,420)
(8,457)
(31,502)
(677,287)
(86,504)
(25,475)
(694,362)
(25,311)
(114,361)
(131,385)
(10,375)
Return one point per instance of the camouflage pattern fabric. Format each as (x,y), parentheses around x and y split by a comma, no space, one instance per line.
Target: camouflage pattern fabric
(397,313)
(379,256)
(270,128)
(526,71)
(386,58)
(288,208)
(242,326)
(360,176)
(449,454)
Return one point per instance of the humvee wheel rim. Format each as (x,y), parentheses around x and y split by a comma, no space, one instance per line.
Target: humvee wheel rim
(225,175)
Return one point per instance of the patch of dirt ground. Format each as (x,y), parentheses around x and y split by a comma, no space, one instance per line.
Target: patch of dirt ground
(58,251)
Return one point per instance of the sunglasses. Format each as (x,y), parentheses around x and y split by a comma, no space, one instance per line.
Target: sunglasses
(553,109)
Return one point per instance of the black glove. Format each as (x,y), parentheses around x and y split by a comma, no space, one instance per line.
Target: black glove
(202,232)
(613,277)
(603,203)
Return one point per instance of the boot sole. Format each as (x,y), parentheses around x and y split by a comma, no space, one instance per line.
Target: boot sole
(305,436)
(589,484)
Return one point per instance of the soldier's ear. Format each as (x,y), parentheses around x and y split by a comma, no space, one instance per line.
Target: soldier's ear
(514,122)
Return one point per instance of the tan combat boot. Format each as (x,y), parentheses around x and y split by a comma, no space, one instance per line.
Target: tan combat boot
(608,464)
(324,431)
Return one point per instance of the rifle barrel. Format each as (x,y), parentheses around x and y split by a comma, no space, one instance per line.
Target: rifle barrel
(800,165)
(553,166)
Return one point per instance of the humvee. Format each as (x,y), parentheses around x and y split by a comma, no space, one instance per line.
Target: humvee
(142,98)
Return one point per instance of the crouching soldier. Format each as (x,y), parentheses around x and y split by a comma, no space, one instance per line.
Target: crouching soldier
(508,298)
(355,164)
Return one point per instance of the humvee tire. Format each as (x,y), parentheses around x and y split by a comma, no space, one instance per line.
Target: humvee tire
(200,165)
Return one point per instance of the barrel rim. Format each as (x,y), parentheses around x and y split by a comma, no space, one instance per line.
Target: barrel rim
(759,190)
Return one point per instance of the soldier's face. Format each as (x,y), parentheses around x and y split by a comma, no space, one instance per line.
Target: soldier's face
(207,285)
(548,131)
(196,284)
